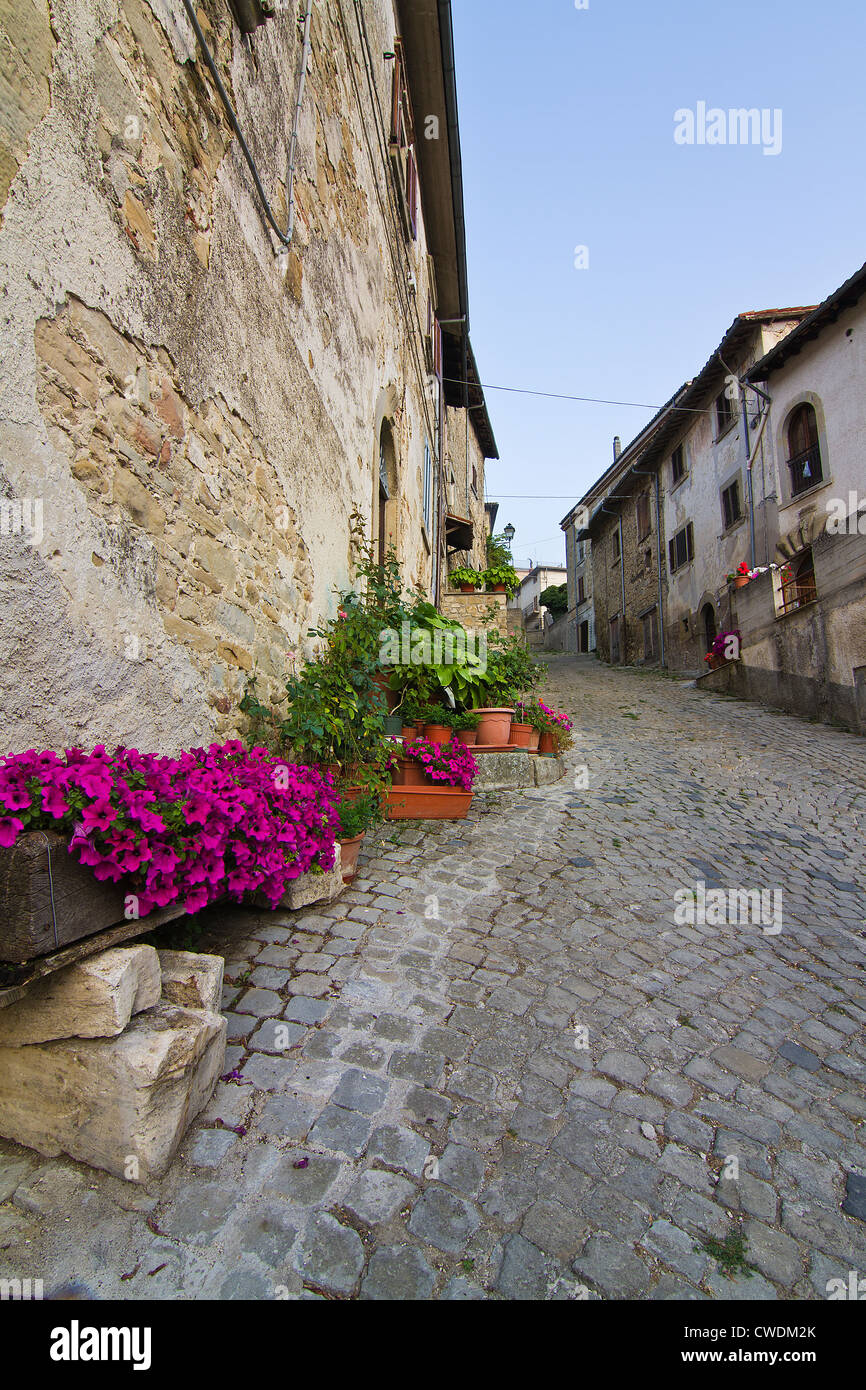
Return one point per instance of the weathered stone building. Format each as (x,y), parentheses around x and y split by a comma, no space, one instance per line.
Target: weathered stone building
(675,513)
(803,623)
(202,381)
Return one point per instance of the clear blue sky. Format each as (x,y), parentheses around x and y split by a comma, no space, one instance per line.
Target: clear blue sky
(567,127)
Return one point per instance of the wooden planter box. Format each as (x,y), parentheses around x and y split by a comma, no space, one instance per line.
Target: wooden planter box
(82,906)
(428,803)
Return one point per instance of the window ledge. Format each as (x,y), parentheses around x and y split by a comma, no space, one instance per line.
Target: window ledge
(679,482)
(734,526)
(797,497)
(810,603)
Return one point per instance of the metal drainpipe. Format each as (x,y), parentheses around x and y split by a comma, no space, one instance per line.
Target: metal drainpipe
(745,410)
(642,473)
(293,148)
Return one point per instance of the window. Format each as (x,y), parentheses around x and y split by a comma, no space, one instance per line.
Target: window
(731,510)
(681,548)
(647,559)
(581,551)
(804,450)
(644,524)
(581,589)
(678,463)
(428,484)
(615,548)
(650,635)
(726,413)
(797,583)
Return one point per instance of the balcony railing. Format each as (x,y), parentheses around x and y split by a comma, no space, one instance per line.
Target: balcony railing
(796,591)
(805,469)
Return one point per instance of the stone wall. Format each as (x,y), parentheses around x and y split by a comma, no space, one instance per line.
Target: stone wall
(191,419)
(476,611)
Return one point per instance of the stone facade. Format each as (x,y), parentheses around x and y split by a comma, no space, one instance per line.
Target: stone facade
(191,417)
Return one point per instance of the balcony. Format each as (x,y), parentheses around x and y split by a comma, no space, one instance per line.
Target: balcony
(805,469)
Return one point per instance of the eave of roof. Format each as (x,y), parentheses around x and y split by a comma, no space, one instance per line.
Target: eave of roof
(814,323)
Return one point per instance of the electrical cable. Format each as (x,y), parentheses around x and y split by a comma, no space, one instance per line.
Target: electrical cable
(212,68)
(590,400)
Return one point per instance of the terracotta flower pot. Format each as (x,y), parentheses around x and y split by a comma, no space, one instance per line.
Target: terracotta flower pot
(494,726)
(520,735)
(715,662)
(409,773)
(349,851)
(498,589)
(534,737)
(468,737)
(352,794)
(437,733)
(467,588)
(741,581)
(419,728)
(545,744)
(428,803)
(407,733)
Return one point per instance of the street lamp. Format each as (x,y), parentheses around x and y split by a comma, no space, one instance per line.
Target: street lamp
(509,534)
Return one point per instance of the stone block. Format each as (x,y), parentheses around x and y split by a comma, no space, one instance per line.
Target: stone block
(95,998)
(314,888)
(107,1101)
(191,979)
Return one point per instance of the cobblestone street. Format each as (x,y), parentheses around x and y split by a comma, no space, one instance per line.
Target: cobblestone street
(510,1071)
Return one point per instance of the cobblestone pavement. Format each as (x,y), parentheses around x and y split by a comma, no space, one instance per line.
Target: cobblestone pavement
(511,1073)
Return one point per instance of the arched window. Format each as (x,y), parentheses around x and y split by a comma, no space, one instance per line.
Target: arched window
(804,449)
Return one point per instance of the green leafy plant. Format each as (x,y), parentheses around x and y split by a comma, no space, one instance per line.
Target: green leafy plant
(504,574)
(439,714)
(356,817)
(466,720)
(462,574)
(498,551)
(729,1254)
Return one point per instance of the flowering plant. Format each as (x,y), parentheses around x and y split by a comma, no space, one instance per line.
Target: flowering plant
(451,763)
(188,829)
(743,568)
(558,725)
(723,643)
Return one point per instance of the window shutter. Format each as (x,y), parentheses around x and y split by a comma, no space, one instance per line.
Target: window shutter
(690,542)
(672,553)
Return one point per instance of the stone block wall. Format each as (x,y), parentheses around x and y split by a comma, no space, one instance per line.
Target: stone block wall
(190,420)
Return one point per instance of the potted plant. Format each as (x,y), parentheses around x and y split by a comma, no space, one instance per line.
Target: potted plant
(465,579)
(725,644)
(445,791)
(356,818)
(742,576)
(556,732)
(501,578)
(438,723)
(521,727)
(510,669)
(465,726)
